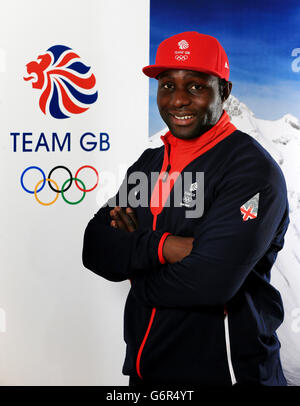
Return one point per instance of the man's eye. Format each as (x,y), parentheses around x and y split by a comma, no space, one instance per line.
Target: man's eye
(196,87)
(167,86)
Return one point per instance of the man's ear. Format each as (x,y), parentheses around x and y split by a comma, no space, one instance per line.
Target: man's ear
(226,91)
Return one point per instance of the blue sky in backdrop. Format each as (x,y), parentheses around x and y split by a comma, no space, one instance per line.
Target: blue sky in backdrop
(258,37)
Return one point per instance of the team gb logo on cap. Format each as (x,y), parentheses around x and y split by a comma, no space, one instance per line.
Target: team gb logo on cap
(182,55)
(183,44)
(68,86)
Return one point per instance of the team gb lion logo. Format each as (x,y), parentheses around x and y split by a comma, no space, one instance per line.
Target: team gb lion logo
(67,85)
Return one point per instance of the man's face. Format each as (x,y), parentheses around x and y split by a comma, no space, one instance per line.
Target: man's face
(189,102)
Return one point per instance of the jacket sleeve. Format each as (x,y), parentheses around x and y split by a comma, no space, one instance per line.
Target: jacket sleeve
(117,254)
(225,248)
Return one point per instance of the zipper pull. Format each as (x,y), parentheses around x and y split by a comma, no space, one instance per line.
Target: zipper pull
(166,174)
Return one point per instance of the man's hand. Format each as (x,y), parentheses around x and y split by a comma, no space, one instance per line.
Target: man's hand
(176,248)
(124,219)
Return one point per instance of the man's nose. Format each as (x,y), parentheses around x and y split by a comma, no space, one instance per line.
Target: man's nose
(180,98)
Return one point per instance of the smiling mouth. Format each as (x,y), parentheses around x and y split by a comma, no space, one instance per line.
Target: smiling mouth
(182,120)
(183,117)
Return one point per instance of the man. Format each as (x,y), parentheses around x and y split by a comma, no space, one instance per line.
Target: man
(200,309)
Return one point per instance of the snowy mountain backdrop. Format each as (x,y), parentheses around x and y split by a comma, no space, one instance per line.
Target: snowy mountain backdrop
(281,138)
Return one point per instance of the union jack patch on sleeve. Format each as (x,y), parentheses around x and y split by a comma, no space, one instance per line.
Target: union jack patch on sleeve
(250,208)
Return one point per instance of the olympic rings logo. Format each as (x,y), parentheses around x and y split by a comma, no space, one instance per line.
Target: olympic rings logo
(66,185)
(181,57)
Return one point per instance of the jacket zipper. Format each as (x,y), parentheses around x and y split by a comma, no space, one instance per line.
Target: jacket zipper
(138,358)
(228,350)
(166,174)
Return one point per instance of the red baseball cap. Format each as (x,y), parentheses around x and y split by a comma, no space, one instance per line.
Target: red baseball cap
(192,51)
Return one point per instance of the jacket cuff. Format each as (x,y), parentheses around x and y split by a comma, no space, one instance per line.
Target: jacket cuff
(160,248)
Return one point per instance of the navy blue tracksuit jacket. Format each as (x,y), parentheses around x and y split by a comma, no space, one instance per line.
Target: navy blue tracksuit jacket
(210,318)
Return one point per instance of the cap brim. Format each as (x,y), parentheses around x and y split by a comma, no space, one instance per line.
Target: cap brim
(152,71)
